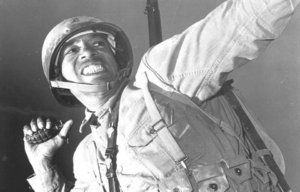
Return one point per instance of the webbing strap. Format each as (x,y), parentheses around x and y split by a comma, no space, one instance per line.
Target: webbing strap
(254,137)
(79,86)
(260,153)
(111,148)
(160,127)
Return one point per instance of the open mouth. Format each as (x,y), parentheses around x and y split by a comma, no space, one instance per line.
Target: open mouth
(92,69)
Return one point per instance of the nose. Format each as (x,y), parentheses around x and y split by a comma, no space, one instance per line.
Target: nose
(87,52)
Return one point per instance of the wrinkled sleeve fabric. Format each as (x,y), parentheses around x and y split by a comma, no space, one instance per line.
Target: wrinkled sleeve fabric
(197,61)
(52,180)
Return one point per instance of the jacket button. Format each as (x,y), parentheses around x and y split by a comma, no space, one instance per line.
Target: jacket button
(152,131)
(238,171)
(214,186)
(176,190)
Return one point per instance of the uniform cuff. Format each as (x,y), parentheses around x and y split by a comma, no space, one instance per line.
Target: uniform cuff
(47,181)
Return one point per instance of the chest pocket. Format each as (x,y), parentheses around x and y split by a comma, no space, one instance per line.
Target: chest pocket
(150,148)
(180,121)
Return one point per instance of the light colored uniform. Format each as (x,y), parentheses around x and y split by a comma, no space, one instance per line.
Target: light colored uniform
(196,64)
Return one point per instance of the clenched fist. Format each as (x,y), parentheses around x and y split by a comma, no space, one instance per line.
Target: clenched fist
(41,143)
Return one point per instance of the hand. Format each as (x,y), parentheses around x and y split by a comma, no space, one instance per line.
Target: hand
(41,155)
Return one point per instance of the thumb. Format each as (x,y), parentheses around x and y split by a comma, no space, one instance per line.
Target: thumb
(66,128)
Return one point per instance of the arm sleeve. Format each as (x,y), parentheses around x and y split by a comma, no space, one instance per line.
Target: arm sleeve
(197,61)
(52,180)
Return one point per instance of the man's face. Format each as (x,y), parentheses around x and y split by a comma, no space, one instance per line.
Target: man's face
(88,59)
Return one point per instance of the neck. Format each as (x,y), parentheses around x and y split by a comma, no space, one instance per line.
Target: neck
(97,100)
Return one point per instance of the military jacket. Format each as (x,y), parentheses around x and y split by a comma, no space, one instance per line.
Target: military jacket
(195,63)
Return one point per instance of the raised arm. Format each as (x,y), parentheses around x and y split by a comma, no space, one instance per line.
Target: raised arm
(197,61)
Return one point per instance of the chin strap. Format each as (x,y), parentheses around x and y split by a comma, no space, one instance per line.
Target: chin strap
(101,87)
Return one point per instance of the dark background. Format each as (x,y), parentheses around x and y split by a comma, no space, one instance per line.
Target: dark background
(270,84)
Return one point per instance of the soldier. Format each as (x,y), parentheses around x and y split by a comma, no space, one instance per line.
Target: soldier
(167,130)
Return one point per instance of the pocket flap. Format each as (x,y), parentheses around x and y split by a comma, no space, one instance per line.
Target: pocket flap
(141,136)
(237,168)
(210,178)
(178,181)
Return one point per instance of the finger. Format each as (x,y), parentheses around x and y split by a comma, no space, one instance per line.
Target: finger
(27,144)
(28,135)
(27,130)
(63,134)
(33,125)
(40,123)
(48,123)
(66,128)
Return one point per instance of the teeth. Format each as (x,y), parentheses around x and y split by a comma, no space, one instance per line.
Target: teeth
(92,69)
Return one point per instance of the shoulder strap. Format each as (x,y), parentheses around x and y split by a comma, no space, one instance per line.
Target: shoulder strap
(254,136)
(159,126)
(238,103)
(111,150)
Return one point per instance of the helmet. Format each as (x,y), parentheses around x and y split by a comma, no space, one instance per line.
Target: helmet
(73,27)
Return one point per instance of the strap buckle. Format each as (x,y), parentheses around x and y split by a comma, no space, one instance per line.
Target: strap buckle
(109,152)
(157,126)
(182,162)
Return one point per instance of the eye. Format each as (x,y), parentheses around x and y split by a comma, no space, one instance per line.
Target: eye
(99,43)
(70,50)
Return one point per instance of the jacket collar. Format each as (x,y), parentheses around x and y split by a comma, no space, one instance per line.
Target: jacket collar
(105,109)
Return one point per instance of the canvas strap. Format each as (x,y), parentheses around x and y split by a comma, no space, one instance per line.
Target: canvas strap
(159,127)
(254,137)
